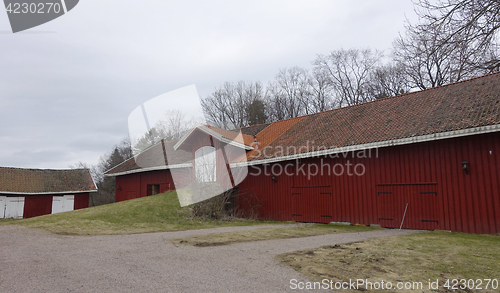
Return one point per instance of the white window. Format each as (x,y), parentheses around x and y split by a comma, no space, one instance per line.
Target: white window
(11,207)
(63,203)
(205,164)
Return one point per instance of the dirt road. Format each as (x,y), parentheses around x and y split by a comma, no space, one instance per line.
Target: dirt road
(37,261)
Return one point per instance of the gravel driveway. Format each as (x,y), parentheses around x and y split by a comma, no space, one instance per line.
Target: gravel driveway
(36,261)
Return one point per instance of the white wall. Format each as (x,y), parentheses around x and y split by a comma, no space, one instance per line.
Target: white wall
(63,203)
(2,206)
(11,207)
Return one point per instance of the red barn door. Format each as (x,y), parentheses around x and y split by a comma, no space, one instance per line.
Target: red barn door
(410,206)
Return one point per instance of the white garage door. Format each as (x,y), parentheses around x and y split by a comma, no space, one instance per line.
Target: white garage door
(11,207)
(63,203)
(2,206)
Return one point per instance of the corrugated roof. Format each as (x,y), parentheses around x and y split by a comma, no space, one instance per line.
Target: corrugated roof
(33,181)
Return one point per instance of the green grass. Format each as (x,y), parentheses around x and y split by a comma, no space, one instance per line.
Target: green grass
(155,213)
(434,255)
(217,239)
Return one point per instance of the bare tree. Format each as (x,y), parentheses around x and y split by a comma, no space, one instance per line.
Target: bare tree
(106,185)
(227,106)
(125,148)
(289,94)
(94,170)
(320,91)
(348,72)
(172,126)
(471,23)
(388,80)
(432,57)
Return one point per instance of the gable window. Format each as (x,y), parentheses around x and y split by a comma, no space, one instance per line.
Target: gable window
(205,162)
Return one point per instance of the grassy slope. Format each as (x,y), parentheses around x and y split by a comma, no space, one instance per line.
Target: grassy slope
(156,213)
(419,257)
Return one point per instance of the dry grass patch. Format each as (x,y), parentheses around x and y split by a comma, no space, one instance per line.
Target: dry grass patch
(157,213)
(414,258)
(304,230)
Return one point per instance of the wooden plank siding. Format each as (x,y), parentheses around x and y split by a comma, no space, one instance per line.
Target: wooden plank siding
(427,176)
(135,185)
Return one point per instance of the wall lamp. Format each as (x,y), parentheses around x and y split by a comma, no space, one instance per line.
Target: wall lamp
(465,166)
(118,187)
(273,178)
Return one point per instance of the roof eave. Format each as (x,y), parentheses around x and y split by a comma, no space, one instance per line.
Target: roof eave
(165,167)
(46,193)
(380,144)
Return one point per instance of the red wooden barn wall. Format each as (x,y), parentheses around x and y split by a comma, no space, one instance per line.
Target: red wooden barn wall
(135,185)
(426,176)
(39,205)
(81,200)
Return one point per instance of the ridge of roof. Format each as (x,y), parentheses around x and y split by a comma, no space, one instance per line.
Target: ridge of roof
(43,169)
(434,88)
(461,105)
(392,97)
(253,125)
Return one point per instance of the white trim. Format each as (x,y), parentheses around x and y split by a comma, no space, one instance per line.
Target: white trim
(41,193)
(165,167)
(380,144)
(90,174)
(215,134)
(184,137)
(133,157)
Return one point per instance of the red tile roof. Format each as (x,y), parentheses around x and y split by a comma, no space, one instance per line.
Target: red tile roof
(234,135)
(462,105)
(253,129)
(34,181)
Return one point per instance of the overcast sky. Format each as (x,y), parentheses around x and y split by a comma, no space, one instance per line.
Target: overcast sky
(68,86)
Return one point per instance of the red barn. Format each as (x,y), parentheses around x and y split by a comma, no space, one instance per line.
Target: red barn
(422,160)
(26,193)
(149,172)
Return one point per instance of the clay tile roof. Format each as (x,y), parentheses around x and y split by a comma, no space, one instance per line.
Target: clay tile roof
(159,155)
(270,134)
(234,135)
(461,105)
(253,129)
(34,181)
